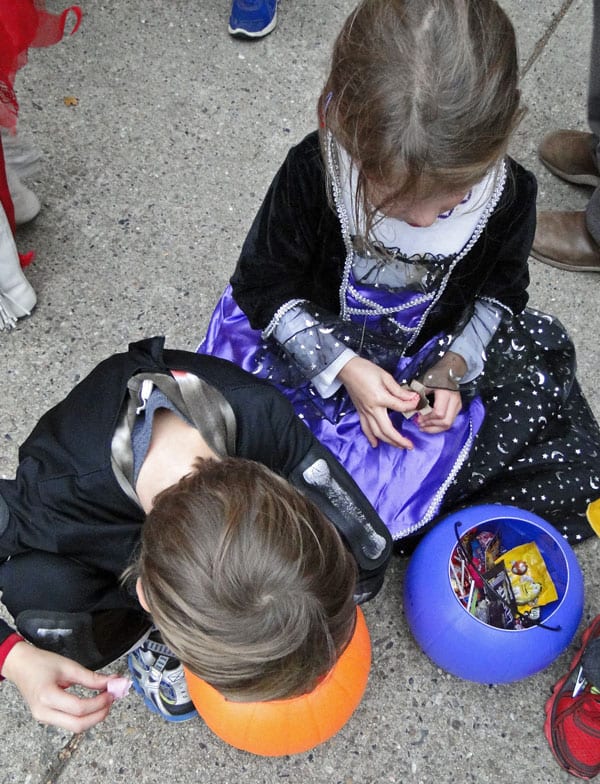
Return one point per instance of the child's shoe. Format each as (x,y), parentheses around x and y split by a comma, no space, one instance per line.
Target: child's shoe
(26,203)
(252,18)
(158,676)
(21,160)
(572,725)
(17,297)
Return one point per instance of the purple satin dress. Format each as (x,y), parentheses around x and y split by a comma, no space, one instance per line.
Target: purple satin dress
(405,487)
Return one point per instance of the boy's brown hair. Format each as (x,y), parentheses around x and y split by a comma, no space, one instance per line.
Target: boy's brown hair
(248,582)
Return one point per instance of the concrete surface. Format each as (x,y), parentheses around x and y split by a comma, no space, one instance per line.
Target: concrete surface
(148,187)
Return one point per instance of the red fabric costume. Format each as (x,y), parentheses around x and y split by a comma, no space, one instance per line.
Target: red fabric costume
(23,24)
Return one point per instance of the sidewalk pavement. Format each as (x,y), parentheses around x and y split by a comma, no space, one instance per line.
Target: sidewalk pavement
(149,184)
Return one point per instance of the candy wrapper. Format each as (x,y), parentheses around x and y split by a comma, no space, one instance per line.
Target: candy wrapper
(502,608)
(424,404)
(460,577)
(118,687)
(530,579)
(475,553)
(485,548)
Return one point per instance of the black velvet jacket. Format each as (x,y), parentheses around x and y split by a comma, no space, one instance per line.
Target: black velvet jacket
(66,499)
(295,249)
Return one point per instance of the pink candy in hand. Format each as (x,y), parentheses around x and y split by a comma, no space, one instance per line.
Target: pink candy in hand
(118,687)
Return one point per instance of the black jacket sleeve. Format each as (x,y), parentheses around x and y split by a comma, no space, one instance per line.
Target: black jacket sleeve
(508,241)
(294,249)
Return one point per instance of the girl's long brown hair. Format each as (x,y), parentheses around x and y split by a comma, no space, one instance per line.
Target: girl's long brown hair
(423,96)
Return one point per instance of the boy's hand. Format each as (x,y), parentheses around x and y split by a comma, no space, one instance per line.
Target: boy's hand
(373,392)
(446,406)
(43,677)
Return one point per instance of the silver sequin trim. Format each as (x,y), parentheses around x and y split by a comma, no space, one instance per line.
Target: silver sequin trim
(279,313)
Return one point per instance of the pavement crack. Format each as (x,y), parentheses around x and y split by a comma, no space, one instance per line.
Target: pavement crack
(62,758)
(548,33)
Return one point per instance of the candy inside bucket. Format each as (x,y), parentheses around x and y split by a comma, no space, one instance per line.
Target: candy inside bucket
(507,573)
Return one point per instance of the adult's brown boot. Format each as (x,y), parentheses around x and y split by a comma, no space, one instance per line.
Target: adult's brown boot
(571,155)
(562,240)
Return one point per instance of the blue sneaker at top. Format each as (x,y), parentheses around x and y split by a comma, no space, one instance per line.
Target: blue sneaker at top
(252,18)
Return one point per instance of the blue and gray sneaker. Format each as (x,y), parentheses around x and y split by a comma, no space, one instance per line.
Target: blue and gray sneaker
(252,18)
(158,676)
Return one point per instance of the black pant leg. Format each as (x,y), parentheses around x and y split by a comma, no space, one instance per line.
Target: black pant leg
(65,606)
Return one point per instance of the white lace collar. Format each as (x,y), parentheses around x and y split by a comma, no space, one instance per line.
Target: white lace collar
(446,237)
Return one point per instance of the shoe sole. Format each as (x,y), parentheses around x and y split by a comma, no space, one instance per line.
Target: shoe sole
(592,630)
(153,708)
(240,32)
(592,180)
(560,265)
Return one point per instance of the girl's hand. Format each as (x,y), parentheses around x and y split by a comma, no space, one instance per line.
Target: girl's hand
(43,677)
(373,392)
(447,404)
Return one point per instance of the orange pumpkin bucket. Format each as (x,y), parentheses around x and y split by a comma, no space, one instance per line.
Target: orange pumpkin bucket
(291,726)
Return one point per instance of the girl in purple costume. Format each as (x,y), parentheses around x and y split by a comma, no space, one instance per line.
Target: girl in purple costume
(392,248)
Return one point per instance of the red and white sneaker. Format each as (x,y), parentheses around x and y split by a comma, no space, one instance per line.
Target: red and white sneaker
(572,725)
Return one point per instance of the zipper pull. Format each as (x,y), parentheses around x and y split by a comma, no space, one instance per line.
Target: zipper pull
(144,394)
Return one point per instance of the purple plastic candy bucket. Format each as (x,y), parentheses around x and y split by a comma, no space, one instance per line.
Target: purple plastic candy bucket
(460,643)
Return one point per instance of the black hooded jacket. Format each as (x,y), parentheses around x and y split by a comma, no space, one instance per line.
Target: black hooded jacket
(65,498)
